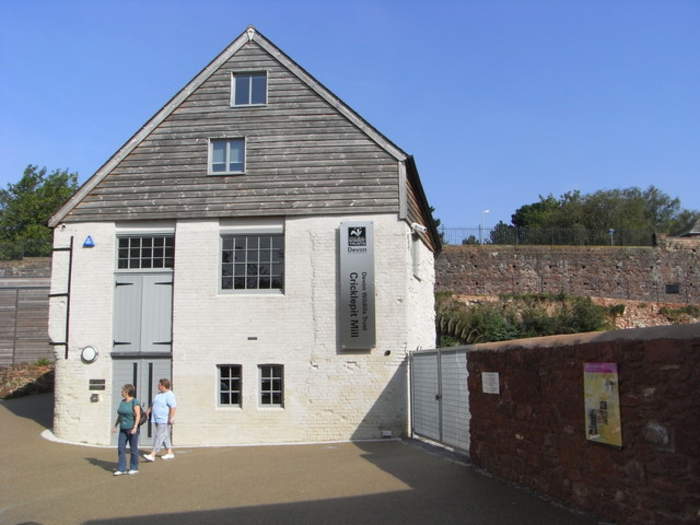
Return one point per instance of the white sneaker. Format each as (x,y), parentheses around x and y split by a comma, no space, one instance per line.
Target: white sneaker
(118,472)
(132,471)
(168,456)
(149,457)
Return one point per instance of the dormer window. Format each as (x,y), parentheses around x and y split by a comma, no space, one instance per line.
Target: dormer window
(249,89)
(226,156)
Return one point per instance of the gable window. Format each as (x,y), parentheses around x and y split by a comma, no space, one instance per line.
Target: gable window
(249,89)
(226,156)
(252,262)
(230,385)
(145,252)
(271,385)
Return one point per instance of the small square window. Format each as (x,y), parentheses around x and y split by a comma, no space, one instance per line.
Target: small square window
(249,89)
(229,385)
(271,385)
(226,156)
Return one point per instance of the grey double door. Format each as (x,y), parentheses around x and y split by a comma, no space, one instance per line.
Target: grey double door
(142,333)
(144,374)
(143,312)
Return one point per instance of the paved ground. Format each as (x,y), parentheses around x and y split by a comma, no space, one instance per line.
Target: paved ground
(384,483)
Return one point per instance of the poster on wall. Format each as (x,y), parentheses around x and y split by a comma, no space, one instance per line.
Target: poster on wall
(602,402)
(356,302)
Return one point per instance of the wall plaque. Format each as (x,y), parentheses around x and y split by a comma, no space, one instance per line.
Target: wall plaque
(490,383)
(96,384)
(602,401)
(356,302)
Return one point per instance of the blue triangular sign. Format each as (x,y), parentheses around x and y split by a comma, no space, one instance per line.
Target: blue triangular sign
(89,243)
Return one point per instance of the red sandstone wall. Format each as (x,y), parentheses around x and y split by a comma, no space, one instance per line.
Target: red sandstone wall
(640,273)
(533,432)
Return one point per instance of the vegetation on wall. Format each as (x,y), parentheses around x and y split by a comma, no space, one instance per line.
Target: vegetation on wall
(26,379)
(681,315)
(619,216)
(518,316)
(25,208)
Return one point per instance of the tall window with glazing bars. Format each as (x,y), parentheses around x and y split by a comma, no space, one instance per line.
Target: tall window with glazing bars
(252,262)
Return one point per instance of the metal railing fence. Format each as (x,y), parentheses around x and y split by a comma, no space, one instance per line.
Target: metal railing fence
(513,235)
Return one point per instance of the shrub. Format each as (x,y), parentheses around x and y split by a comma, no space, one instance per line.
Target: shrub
(680,315)
(517,316)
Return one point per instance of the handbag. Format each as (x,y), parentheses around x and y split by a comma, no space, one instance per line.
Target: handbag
(143,417)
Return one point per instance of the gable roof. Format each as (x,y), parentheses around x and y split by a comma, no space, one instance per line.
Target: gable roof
(250,34)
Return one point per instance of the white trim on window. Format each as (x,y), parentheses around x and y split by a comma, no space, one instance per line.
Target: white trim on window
(227,141)
(275,373)
(232,263)
(133,249)
(258,225)
(230,391)
(145,227)
(250,92)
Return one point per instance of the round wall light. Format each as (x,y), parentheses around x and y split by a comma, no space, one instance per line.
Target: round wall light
(88,354)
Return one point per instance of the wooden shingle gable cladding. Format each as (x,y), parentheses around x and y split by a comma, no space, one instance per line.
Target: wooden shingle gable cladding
(303,157)
(307,153)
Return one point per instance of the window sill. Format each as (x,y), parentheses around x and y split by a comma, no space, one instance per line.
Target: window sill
(236,106)
(225,173)
(251,293)
(142,270)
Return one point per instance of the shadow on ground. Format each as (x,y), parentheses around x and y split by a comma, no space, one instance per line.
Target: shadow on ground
(38,408)
(109,466)
(437,491)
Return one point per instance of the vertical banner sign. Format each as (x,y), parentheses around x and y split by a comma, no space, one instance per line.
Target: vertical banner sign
(602,400)
(356,312)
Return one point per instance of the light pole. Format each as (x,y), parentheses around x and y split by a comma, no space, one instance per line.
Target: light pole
(483,224)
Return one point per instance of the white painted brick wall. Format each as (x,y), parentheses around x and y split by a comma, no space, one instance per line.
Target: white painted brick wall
(329,395)
(75,417)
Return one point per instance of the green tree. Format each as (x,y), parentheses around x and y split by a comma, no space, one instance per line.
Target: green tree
(574,218)
(503,233)
(25,208)
(470,240)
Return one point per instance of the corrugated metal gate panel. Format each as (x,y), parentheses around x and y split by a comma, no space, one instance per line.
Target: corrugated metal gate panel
(455,399)
(439,397)
(424,392)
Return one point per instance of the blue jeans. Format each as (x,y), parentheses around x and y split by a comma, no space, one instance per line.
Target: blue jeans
(133,439)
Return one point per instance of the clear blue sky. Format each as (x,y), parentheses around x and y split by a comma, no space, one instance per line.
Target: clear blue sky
(499,101)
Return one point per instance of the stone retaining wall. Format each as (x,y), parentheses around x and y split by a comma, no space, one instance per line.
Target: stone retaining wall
(667,273)
(533,432)
(26,268)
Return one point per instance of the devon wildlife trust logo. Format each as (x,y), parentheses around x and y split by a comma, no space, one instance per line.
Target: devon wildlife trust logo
(357,236)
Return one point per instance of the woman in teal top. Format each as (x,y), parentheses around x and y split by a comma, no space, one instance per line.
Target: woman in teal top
(128,416)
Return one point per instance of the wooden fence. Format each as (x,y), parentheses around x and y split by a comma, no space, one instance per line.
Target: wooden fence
(24,318)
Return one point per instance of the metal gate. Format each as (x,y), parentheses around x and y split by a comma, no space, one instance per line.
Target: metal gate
(440,397)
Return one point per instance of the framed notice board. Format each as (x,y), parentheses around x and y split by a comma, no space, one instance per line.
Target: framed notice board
(601,388)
